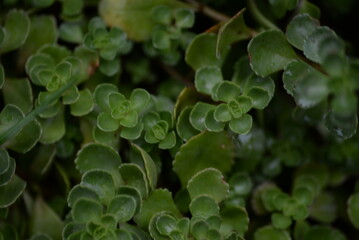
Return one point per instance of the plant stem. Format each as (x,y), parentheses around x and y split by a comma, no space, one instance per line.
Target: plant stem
(17,127)
(208,11)
(259,17)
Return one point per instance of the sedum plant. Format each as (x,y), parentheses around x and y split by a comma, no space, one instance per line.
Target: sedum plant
(178,120)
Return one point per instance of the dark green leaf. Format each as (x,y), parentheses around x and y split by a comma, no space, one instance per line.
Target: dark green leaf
(241,125)
(87,210)
(206,78)
(234,219)
(269,232)
(123,207)
(198,114)
(353,209)
(322,232)
(11,191)
(19,93)
(184,128)
(204,206)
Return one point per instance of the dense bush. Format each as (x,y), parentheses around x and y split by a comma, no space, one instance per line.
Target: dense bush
(166,119)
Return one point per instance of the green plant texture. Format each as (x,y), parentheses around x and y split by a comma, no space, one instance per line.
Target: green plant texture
(179,120)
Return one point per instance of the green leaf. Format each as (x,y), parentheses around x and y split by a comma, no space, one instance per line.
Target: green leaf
(241,125)
(123,207)
(234,219)
(7,167)
(324,208)
(45,220)
(222,113)
(206,78)
(312,44)
(161,39)
(107,123)
(129,15)
(166,224)
(162,14)
(72,95)
(53,128)
(269,52)
(2,75)
(184,128)
(97,156)
(101,182)
(301,27)
(40,236)
(79,192)
(343,127)
(212,124)
(353,209)
(110,67)
(280,221)
(198,114)
(139,98)
(229,33)
(307,85)
(101,95)
(159,200)
(132,175)
(208,182)
(169,141)
(19,93)
(149,165)
(132,133)
(87,210)
(11,191)
(202,52)
(204,206)
(269,232)
(240,184)
(71,8)
(71,32)
(16,29)
(83,105)
(323,232)
(206,150)
(134,193)
(43,30)
(226,91)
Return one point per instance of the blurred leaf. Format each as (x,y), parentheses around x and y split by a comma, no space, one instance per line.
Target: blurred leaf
(16,30)
(234,219)
(203,151)
(43,159)
(2,75)
(71,8)
(19,93)
(324,208)
(71,32)
(269,232)
(42,3)
(129,15)
(11,191)
(7,167)
(83,105)
(269,52)
(300,28)
(241,125)
(53,128)
(45,220)
(323,232)
(343,127)
(353,209)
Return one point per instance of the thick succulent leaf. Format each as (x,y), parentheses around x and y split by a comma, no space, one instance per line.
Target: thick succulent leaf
(343,127)
(234,219)
(222,113)
(187,97)
(204,206)
(7,167)
(260,90)
(212,124)
(107,123)
(53,129)
(241,125)
(203,151)
(198,115)
(101,182)
(202,51)
(16,29)
(169,141)
(153,228)
(229,33)
(131,14)
(206,78)
(71,32)
(240,184)
(269,52)
(101,95)
(72,94)
(307,85)
(11,191)
(184,128)
(208,182)
(323,232)
(132,175)
(139,98)
(226,91)
(301,27)
(9,116)
(79,192)
(353,209)
(134,193)
(45,220)
(97,156)
(149,165)
(132,133)
(313,43)
(87,210)
(83,105)
(43,31)
(123,207)
(19,93)
(269,232)
(159,200)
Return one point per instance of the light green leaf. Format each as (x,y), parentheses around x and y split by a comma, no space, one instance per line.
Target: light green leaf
(132,133)
(16,29)
(169,141)
(269,52)
(129,15)
(300,28)
(139,98)
(159,200)
(208,182)
(324,208)
(83,105)
(206,150)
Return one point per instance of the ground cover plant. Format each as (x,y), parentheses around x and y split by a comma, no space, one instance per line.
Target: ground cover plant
(174,120)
